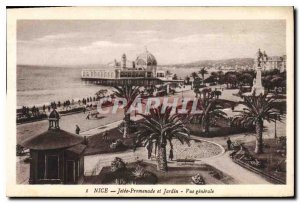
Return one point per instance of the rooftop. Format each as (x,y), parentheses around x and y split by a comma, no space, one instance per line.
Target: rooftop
(52,139)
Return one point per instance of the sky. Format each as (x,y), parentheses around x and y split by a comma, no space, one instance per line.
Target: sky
(85,42)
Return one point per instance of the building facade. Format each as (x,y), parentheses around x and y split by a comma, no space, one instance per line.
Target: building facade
(145,66)
(276,62)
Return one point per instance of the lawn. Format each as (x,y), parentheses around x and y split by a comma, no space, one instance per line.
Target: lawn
(221,128)
(97,144)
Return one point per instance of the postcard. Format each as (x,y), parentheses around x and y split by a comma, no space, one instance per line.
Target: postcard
(150,102)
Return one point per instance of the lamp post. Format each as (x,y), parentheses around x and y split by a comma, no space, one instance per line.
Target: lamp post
(275,133)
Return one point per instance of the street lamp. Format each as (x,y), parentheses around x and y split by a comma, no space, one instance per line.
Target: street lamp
(275,133)
(277,117)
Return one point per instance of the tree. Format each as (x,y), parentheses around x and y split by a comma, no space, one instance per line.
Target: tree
(197,91)
(231,78)
(246,79)
(101,93)
(266,82)
(259,108)
(277,81)
(197,85)
(161,127)
(175,77)
(150,90)
(129,93)
(194,75)
(210,111)
(211,79)
(203,72)
(206,92)
(217,93)
(187,80)
(220,77)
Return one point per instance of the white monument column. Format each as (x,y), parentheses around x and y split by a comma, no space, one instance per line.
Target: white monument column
(259,89)
(257,84)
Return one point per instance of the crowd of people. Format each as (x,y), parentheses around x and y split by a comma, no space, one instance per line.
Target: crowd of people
(35,112)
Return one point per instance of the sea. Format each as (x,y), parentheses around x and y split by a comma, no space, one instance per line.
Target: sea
(37,85)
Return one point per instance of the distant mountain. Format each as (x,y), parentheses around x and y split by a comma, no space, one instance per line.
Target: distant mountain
(201,63)
(216,63)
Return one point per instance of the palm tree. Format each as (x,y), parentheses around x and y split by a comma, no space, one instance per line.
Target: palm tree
(259,108)
(187,80)
(210,111)
(175,77)
(197,84)
(203,72)
(161,127)
(194,75)
(101,93)
(129,93)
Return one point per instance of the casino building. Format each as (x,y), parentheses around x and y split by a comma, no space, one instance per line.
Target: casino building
(142,71)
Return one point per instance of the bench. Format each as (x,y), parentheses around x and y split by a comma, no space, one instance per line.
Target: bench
(185,161)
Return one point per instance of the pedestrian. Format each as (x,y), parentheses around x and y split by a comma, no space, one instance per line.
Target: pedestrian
(229,144)
(88,116)
(171,155)
(77,130)
(84,110)
(105,135)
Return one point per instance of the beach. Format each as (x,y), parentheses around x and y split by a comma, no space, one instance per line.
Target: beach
(38,85)
(42,85)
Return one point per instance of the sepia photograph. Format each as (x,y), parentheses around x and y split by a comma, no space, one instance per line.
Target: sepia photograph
(132,104)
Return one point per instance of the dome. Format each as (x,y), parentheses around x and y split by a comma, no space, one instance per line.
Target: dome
(146,58)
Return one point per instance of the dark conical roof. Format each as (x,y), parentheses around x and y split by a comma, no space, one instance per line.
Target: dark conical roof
(52,139)
(54,114)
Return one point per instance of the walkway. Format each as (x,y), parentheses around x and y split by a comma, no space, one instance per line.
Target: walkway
(240,174)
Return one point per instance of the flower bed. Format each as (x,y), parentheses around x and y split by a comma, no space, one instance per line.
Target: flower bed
(147,173)
(121,173)
(197,150)
(270,164)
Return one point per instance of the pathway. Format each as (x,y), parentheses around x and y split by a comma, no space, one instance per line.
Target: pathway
(240,174)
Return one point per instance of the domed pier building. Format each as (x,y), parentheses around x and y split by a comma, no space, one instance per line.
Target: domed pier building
(141,72)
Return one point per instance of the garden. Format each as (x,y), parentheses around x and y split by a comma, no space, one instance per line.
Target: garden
(271,164)
(145,173)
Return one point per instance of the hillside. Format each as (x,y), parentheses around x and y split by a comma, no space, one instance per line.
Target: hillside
(216,63)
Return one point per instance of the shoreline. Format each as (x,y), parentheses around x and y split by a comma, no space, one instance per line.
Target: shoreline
(73,108)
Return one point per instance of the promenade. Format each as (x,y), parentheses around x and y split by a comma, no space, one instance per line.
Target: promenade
(88,127)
